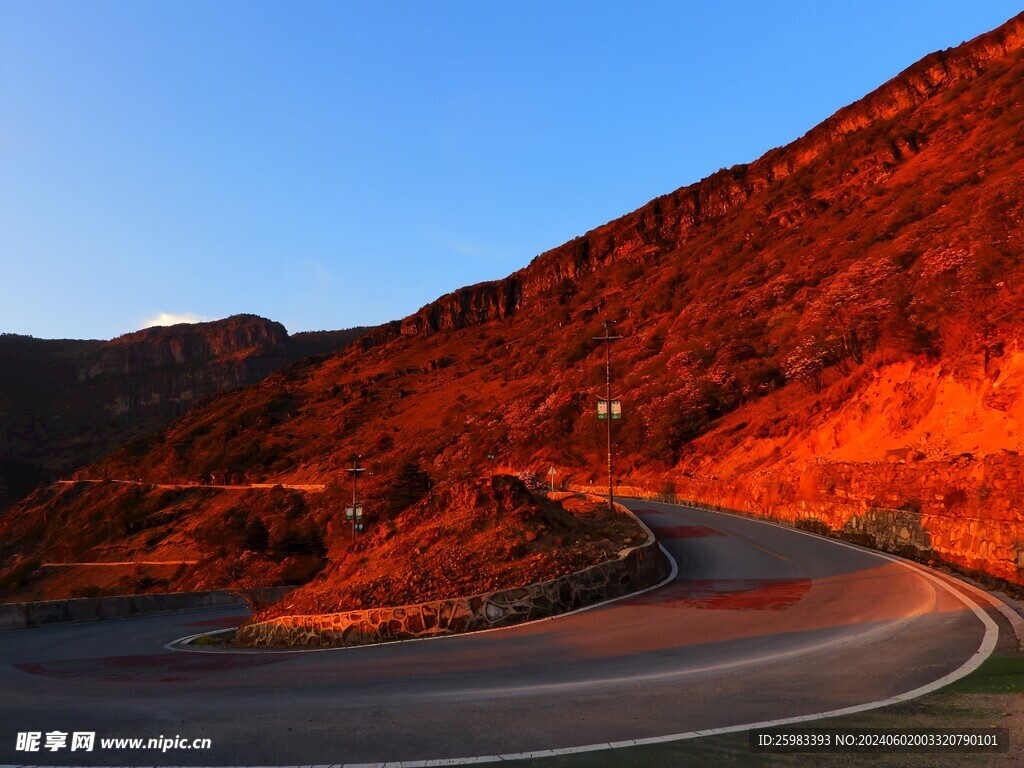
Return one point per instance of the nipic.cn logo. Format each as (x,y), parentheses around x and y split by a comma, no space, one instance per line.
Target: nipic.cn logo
(34,741)
(85,741)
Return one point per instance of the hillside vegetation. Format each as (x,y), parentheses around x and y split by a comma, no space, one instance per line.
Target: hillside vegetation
(846,303)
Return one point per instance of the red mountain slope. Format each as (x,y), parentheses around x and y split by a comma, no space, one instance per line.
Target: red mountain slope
(832,328)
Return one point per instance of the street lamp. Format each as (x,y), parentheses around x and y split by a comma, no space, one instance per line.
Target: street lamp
(355,512)
(611,410)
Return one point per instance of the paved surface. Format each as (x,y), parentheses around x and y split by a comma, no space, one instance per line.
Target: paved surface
(761,623)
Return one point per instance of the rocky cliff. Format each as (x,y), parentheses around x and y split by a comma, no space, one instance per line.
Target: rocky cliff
(671,220)
(64,403)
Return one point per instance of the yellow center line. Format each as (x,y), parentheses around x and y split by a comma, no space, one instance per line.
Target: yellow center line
(767,551)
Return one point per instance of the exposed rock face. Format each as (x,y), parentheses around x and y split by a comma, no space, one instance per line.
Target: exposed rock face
(844,303)
(187,344)
(64,403)
(671,220)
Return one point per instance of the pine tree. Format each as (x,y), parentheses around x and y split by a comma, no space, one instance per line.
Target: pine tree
(411,485)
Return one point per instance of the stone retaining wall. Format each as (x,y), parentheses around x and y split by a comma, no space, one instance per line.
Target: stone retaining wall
(899,531)
(634,569)
(967,512)
(78,610)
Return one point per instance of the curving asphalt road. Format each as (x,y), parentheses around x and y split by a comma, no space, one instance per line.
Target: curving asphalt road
(760,623)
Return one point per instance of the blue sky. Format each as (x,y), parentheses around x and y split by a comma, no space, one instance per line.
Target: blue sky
(337,164)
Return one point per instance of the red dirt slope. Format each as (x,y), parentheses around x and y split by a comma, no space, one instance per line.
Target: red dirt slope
(833,324)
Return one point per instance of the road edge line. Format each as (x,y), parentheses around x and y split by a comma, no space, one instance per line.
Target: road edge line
(179,644)
(984,650)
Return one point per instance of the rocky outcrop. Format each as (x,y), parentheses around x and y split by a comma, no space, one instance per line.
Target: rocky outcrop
(64,403)
(190,344)
(634,569)
(672,219)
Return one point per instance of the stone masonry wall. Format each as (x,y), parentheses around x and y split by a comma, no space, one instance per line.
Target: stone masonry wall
(634,569)
(967,511)
(84,609)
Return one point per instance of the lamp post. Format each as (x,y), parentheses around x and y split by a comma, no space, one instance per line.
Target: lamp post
(355,510)
(609,415)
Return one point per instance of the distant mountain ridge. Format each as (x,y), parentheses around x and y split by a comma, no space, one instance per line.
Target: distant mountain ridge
(64,403)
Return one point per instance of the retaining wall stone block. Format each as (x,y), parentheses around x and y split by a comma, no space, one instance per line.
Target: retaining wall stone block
(634,569)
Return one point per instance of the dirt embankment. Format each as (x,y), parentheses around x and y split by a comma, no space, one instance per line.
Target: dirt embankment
(464,539)
(455,539)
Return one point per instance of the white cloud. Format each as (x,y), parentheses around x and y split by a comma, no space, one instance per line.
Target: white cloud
(173,318)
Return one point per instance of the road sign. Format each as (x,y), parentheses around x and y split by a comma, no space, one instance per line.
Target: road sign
(602,409)
(356,511)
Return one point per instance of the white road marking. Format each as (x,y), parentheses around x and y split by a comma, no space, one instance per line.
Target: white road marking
(180,643)
(984,650)
(1014,619)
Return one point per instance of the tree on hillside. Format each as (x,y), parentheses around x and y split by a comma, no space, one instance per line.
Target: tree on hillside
(411,484)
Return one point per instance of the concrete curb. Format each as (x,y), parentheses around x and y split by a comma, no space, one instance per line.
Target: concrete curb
(184,643)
